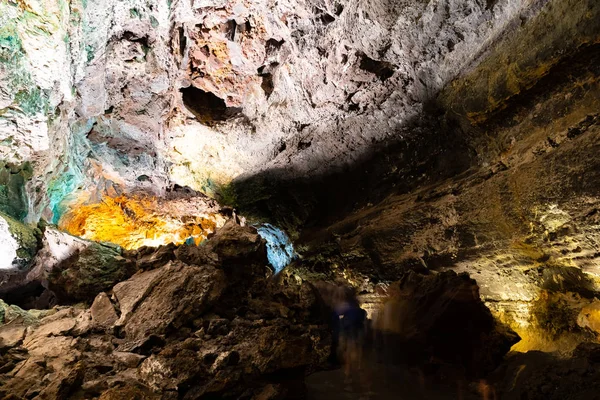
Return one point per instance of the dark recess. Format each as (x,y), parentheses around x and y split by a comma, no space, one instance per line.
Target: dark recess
(182,41)
(434,151)
(207,107)
(273,45)
(267,84)
(326,19)
(382,69)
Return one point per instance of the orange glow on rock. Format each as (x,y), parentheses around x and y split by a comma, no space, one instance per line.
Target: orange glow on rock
(136,221)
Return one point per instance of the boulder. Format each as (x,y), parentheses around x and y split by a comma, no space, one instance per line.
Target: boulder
(76,269)
(73,269)
(440,319)
(177,296)
(102,311)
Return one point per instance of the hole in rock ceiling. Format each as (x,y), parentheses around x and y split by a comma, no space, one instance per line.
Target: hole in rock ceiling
(207,107)
(280,250)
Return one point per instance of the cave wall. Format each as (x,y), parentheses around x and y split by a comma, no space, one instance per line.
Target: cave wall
(138,95)
(444,134)
(522,220)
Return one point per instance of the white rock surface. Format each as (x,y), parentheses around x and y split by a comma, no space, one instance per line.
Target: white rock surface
(8,246)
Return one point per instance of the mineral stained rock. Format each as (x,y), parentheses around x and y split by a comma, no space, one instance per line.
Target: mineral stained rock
(135,97)
(141,220)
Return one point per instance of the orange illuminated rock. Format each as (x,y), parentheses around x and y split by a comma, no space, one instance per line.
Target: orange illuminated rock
(136,221)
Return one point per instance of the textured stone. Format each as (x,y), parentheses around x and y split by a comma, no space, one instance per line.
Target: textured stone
(164,312)
(87,272)
(195,290)
(103,312)
(229,90)
(11,335)
(18,244)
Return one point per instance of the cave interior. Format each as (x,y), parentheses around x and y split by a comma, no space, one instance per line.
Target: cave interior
(301,199)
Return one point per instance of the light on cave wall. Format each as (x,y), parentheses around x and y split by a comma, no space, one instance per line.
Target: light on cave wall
(8,246)
(132,222)
(280,250)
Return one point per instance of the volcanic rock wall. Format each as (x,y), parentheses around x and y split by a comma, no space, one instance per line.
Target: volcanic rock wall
(522,220)
(106,97)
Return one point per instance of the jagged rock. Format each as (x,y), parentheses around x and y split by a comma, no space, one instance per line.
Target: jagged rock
(130,360)
(102,312)
(73,269)
(86,269)
(11,335)
(234,243)
(150,257)
(132,392)
(539,375)
(173,333)
(178,295)
(9,313)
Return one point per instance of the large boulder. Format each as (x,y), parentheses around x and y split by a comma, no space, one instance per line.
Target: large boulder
(65,269)
(75,269)
(169,298)
(440,319)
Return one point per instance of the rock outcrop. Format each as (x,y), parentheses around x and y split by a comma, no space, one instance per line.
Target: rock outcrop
(207,322)
(18,244)
(440,320)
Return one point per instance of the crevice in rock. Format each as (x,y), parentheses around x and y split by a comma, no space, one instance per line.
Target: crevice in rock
(229,28)
(182,41)
(267,84)
(273,45)
(326,18)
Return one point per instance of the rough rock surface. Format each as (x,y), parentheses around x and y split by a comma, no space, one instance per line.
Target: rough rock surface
(201,92)
(192,329)
(73,269)
(18,244)
(390,136)
(521,218)
(182,215)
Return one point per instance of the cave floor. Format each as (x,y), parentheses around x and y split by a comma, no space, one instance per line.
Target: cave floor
(381,381)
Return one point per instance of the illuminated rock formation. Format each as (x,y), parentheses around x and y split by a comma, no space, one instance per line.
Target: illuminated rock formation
(133,222)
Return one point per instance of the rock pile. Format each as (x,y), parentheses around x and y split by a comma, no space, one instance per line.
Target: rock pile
(198,322)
